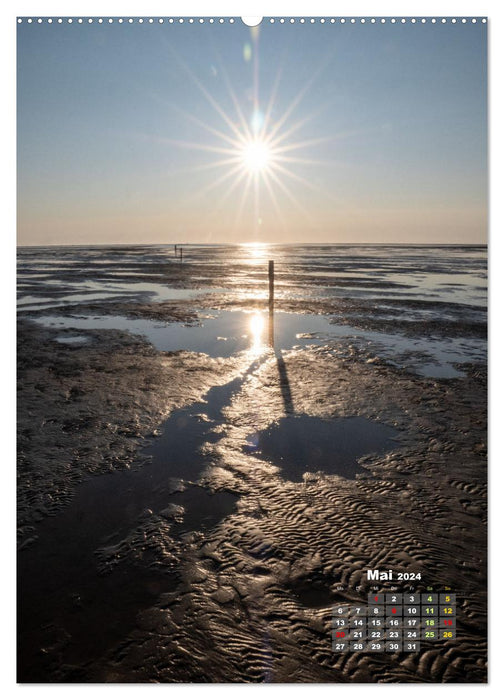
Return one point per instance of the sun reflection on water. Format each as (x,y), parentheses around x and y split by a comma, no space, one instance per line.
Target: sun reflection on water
(256,252)
(256,327)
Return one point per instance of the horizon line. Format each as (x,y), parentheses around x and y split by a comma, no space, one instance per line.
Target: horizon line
(249,243)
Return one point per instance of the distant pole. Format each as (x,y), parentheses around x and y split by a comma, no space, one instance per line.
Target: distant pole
(181,255)
(175,249)
(271,276)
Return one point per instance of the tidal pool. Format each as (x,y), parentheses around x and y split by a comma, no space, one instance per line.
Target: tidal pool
(303,443)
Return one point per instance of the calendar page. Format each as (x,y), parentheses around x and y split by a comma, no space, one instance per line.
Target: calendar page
(252,349)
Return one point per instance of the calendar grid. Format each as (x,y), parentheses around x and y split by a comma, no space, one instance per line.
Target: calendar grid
(394,622)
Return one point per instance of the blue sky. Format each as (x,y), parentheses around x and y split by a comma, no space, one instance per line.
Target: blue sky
(386,126)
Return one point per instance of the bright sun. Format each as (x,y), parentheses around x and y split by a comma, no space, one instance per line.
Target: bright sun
(257,150)
(256,155)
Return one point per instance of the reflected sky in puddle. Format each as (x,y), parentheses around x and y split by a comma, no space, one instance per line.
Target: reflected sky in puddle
(426,356)
(103,290)
(202,509)
(382,283)
(466,288)
(220,335)
(302,443)
(28,303)
(446,293)
(28,300)
(73,339)
(226,333)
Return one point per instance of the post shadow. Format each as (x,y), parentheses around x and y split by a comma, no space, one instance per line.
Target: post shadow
(282,368)
(285,385)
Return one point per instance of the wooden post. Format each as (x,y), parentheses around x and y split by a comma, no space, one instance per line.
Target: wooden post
(181,255)
(271,330)
(271,276)
(271,326)
(175,250)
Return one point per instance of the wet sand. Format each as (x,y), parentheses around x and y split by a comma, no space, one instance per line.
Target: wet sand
(164,538)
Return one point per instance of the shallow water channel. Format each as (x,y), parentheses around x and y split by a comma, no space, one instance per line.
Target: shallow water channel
(61,592)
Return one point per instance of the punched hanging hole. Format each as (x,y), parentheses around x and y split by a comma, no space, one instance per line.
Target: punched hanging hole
(252,21)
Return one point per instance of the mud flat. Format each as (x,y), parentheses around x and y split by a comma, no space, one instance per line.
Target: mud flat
(255,598)
(249,597)
(192,516)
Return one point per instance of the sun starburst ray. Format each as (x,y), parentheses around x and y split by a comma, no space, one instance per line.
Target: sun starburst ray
(242,201)
(306,183)
(271,101)
(246,129)
(293,176)
(216,183)
(197,146)
(212,166)
(287,133)
(256,203)
(304,161)
(300,96)
(220,111)
(292,130)
(259,153)
(273,198)
(211,130)
(233,185)
(289,194)
(301,144)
